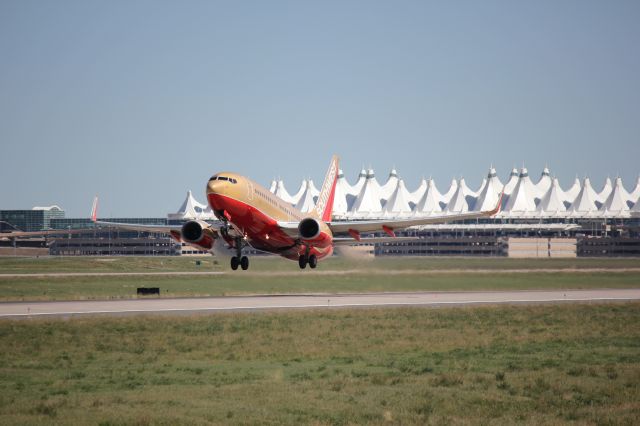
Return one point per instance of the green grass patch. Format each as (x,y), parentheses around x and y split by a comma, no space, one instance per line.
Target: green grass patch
(272,263)
(526,364)
(274,275)
(119,287)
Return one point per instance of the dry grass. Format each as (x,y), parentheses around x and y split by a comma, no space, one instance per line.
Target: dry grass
(546,364)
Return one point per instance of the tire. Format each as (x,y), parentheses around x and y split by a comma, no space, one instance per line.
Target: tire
(302,262)
(313,261)
(244,263)
(234,263)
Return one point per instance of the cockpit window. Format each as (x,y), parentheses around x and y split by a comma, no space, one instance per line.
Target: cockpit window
(225,178)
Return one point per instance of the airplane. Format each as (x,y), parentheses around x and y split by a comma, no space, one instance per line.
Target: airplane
(251,215)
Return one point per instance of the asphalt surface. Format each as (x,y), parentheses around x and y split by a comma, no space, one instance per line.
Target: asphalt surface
(306,301)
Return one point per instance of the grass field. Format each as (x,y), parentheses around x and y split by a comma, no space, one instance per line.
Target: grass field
(272,263)
(272,275)
(499,365)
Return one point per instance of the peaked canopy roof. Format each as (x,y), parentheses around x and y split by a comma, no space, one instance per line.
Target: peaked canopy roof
(367,199)
(192,209)
(429,203)
(617,200)
(307,200)
(490,194)
(552,202)
(398,202)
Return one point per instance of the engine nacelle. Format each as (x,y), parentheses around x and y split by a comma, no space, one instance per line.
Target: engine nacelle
(309,228)
(199,234)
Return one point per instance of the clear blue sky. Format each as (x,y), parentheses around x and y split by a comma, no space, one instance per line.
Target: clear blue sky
(139,101)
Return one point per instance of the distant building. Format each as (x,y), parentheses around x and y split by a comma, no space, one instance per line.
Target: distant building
(36,219)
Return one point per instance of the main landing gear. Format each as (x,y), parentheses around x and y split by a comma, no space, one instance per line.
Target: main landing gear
(239,259)
(242,261)
(311,260)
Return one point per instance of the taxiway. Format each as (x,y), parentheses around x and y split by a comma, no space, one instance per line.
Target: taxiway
(304,301)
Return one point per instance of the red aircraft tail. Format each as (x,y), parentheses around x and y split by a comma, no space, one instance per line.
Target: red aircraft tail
(94,209)
(324,205)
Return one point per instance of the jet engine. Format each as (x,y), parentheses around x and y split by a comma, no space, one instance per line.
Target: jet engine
(199,234)
(309,228)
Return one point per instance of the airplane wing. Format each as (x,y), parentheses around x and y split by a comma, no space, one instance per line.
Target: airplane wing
(166,229)
(18,234)
(355,227)
(291,229)
(348,241)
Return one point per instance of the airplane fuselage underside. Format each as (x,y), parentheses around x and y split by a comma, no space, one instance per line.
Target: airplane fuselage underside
(263,233)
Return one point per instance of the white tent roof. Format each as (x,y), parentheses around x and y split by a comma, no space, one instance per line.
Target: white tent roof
(521,199)
(453,187)
(585,203)
(531,187)
(368,201)
(458,202)
(490,194)
(308,198)
(282,192)
(398,202)
(415,196)
(512,182)
(295,198)
(342,196)
(390,185)
(362,178)
(552,203)
(429,203)
(635,193)
(605,192)
(468,191)
(572,193)
(543,185)
(191,209)
(617,200)
(635,210)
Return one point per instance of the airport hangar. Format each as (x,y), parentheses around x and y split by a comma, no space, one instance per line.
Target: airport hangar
(537,219)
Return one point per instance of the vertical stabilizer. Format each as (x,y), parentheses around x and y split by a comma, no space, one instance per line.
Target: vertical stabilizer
(94,209)
(324,205)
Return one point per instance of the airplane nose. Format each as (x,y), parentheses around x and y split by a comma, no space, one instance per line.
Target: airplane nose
(215,187)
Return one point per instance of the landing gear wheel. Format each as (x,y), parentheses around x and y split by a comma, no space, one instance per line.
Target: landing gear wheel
(234,263)
(244,263)
(313,261)
(302,262)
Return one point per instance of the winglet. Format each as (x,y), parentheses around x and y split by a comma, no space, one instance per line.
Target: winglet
(94,209)
(324,205)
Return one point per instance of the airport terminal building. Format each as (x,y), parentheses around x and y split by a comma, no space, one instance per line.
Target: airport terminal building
(541,218)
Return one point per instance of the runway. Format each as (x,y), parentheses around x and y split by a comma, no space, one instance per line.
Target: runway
(305,301)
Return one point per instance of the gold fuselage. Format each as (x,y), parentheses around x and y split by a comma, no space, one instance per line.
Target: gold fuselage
(256,211)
